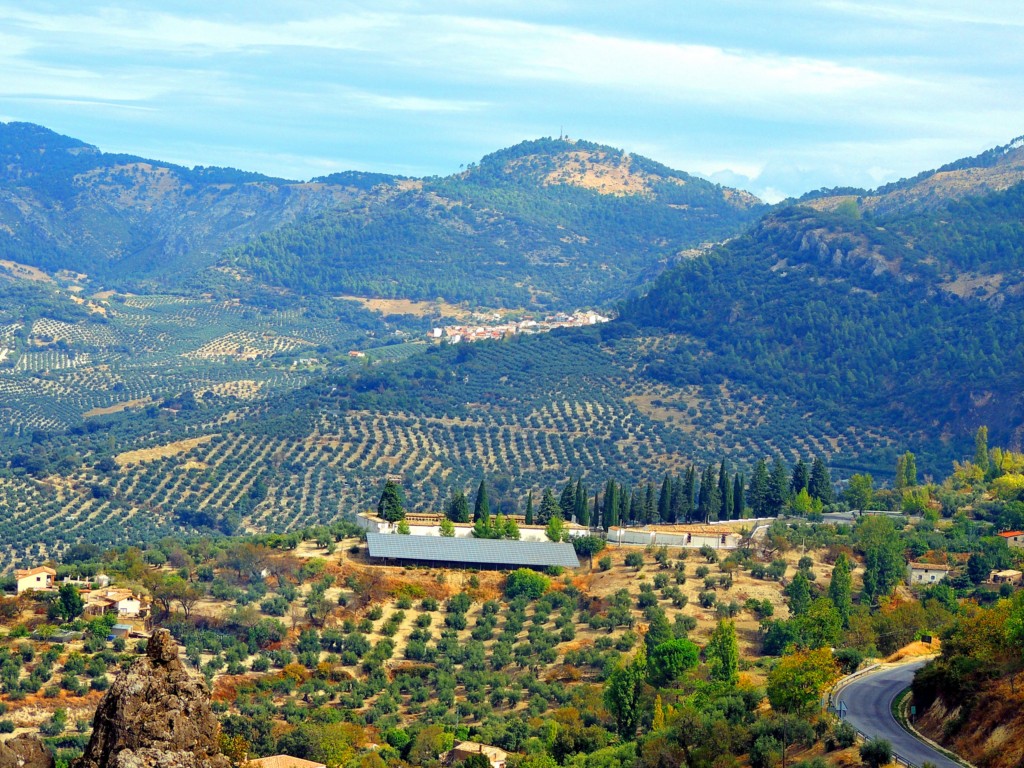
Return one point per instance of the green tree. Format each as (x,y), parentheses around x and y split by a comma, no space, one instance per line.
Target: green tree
(758,492)
(840,588)
(981,449)
(801,478)
(876,753)
(391,506)
(524,581)
(884,565)
(665,500)
(582,515)
(588,546)
(447,528)
(481,505)
(725,488)
(403,527)
(778,487)
(556,530)
(798,680)
(820,485)
(529,509)
(799,593)
(723,654)
(669,660)
(738,502)
(458,507)
(69,604)
(548,507)
(623,694)
(860,492)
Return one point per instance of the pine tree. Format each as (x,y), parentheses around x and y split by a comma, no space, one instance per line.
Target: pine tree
(820,486)
(548,507)
(458,507)
(801,478)
(391,506)
(759,489)
(529,509)
(778,487)
(737,497)
(481,505)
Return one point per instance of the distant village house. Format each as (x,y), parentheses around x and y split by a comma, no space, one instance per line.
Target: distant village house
(465,749)
(926,573)
(1014,539)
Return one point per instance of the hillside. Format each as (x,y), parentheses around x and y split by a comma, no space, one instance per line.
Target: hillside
(125,220)
(547,223)
(911,318)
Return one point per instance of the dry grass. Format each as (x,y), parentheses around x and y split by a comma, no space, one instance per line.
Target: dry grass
(407,307)
(25,272)
(118,407)
(161,451)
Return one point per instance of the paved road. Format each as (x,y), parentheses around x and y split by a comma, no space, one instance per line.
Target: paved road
(868,708)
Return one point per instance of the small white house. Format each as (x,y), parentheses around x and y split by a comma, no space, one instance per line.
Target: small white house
(926,573)
(39,578)
(430,525)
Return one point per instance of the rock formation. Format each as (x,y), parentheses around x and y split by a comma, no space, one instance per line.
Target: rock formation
(25,751)
(155,715)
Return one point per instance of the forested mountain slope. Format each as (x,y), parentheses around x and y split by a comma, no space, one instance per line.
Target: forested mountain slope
(128,221)
(913,318)
(549,223)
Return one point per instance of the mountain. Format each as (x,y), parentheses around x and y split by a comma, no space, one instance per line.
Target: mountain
(120,219)
(549,223)
(901,307)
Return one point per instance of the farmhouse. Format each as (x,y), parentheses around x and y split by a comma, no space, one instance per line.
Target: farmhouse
(926,573)
(123,602)
(430,525)
(686,536)
(1014,539)
(40,577)
(444,552)
(1006,577)
(465,749)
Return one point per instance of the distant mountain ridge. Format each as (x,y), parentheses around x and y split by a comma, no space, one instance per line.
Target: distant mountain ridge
(528,225)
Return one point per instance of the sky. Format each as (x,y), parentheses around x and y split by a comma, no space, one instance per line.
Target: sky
(775,96)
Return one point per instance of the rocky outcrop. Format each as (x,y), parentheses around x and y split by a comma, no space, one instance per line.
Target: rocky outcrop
(155,715)
(25,751)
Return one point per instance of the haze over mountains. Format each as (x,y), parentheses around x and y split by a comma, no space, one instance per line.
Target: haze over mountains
(205,318)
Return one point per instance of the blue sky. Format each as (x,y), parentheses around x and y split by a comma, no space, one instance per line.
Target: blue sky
(778,97)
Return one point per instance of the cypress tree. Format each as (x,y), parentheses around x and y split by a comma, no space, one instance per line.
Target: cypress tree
(567,501)
(724,492)
(458,507)
(481,505)
(611,505)
(548,507)
(529,509)
(820,486)
(597,521)
(665,501)
(737,497)
(840,588)
(582,507)
(391,506)
(649,505)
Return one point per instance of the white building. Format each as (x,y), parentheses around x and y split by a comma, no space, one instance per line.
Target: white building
(430,525)
(40,578)
(685,536)
(926,573)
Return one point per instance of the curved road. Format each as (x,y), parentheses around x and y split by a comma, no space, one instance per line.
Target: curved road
(868,708)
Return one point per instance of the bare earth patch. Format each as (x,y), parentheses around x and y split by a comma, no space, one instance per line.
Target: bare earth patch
(407,307)
(161,451)
(118,407)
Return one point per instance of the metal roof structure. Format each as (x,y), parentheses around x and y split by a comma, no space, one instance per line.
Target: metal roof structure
(472,552)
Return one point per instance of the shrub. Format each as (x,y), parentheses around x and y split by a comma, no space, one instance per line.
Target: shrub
(635,560)
(876,753)
(523,581)
(605,563)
